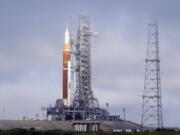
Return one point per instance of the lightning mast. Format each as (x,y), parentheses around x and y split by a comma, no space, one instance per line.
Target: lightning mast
(152,104)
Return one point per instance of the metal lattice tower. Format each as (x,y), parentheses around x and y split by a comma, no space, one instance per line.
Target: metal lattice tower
(152,104)
(82,52)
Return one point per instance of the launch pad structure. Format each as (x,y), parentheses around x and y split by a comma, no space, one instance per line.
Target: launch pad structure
(78,102)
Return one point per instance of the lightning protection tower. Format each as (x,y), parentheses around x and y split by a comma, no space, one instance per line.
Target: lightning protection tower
(152,104)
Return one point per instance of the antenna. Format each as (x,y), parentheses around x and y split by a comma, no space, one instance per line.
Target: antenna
(124,113)
(152,104)
(3,111)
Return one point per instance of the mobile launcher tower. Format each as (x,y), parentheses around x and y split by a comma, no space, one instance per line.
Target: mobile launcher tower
(78,101)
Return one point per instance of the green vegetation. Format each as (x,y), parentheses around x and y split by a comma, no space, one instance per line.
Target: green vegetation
(60,132)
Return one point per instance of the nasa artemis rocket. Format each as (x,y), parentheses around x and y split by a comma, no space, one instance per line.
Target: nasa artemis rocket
(66,69)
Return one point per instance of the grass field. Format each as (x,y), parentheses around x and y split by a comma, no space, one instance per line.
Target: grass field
(59,132)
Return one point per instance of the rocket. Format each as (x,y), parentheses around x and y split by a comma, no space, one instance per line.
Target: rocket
(66,69)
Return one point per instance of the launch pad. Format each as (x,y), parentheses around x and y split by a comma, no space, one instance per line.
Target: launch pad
(61,112)
(78,101)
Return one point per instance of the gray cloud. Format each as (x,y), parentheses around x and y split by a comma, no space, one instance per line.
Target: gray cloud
(31,42)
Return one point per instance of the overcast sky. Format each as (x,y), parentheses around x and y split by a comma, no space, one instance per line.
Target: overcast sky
(31,43)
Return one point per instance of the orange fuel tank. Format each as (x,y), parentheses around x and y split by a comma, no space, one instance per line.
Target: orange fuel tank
(66,67)
(66,59)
